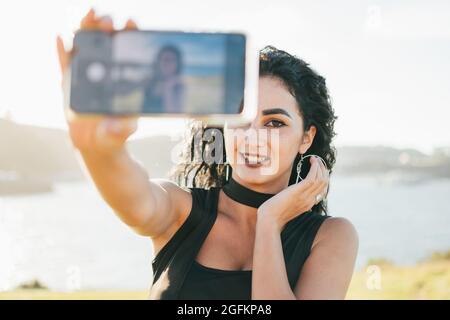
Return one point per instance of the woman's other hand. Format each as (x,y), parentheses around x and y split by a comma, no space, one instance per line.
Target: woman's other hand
(297,198)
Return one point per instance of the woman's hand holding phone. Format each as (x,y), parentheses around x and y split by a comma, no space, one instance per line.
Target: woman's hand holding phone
(99,135)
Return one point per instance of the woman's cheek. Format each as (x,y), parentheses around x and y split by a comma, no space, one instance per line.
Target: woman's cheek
(231,148)
(279,140)
(287,148)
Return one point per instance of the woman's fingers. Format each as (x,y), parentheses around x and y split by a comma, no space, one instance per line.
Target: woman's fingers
(89,20)
(320,173)
(315,179)
(325,173)
(312,174)
(106,24)
(310,180)
(316,182)
(62,53)
(318,189)
(123,124)
(322,184)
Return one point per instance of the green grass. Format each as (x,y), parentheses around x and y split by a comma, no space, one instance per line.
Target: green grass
(426,280)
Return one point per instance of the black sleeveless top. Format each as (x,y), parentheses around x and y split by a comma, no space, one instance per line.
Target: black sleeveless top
(177,274)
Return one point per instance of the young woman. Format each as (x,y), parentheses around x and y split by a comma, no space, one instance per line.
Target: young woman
(236,233)
(164,91)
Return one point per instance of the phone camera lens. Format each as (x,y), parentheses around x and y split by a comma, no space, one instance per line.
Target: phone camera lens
(95,72)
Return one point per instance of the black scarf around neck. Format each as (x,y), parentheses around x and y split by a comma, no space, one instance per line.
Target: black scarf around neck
(244,195)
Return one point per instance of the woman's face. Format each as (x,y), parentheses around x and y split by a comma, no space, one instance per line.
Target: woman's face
(168,63)
(273,138)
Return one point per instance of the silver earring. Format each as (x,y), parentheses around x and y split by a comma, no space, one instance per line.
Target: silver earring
(227,171)
(299,168)
(300,163)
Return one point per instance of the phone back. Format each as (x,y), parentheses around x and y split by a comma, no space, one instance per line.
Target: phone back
(158,72)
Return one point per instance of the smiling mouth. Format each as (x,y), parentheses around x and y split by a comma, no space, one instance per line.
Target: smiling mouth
(254,159)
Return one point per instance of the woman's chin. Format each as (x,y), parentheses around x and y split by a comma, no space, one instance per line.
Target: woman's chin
(253,175)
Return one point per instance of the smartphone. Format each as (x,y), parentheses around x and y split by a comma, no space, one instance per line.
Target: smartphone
(208,75)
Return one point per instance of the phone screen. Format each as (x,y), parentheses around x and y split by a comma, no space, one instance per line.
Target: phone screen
(139,72)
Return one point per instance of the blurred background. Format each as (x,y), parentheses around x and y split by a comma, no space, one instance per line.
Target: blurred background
(388,71)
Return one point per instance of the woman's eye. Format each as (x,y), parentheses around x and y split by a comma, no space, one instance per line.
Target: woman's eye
(276,123)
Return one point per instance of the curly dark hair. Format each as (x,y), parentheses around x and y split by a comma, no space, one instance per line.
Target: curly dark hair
(311,93)
(178,57)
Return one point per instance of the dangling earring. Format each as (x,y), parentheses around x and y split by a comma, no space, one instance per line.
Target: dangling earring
(299,168)
(300,163)
(227,170)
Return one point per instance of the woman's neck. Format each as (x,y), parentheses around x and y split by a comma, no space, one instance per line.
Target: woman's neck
(268,187)
(238,212)
(241,201)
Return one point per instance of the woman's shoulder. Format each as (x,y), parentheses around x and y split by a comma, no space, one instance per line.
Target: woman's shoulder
(179,195)
(189,202)
(338,224)
(337,231)
(183,196)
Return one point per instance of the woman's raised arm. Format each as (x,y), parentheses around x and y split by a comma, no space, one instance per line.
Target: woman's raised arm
(149,206)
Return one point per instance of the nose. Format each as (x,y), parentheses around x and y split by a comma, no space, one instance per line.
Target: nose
(255,139)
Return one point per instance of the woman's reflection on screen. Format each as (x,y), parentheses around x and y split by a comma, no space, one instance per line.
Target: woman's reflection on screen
(165,89)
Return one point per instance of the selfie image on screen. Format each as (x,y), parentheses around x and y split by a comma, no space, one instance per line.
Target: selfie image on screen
(160,72)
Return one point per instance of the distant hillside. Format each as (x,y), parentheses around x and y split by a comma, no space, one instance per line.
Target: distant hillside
(39,153)
(36,152)
(154,153)
(47,154)
(382,160)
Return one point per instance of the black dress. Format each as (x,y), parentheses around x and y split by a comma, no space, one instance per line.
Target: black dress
(177,275)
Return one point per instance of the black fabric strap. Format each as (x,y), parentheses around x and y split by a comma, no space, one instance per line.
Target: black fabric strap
(244,195)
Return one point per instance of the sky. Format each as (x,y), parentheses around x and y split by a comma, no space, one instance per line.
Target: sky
(386,63)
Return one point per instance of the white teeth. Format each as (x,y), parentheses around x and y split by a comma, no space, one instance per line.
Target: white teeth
(255,159)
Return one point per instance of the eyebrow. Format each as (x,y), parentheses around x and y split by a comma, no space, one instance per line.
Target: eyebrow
(276,111)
